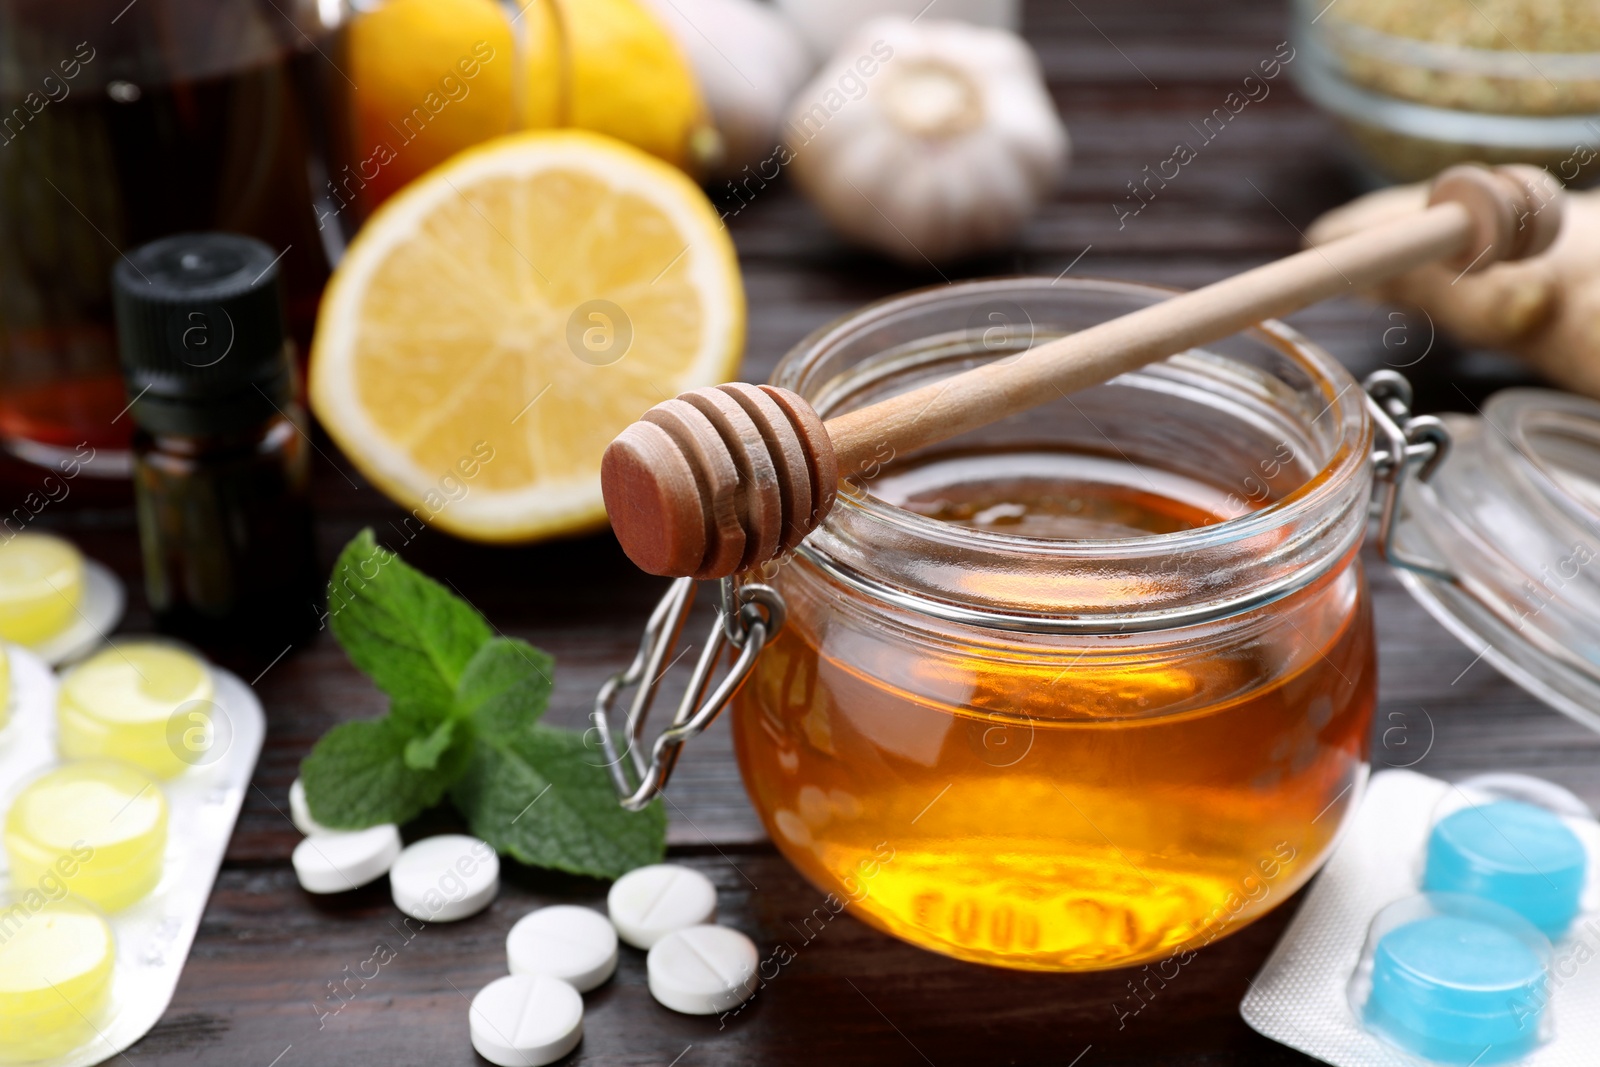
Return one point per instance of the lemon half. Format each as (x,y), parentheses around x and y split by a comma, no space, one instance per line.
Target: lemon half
(497,323)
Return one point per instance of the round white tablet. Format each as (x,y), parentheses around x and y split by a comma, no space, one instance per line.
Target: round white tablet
(526,1020)
(445,878)
(338,861)
(300,812)
(648,903)
(702,970)
(574,944)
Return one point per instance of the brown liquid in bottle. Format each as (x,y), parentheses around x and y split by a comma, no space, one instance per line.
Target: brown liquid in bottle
(114,160)
(1068,811)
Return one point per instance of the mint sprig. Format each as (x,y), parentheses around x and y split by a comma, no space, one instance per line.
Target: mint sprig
(463,721)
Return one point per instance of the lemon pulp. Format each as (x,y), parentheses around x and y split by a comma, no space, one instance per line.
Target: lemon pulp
(41,585)
(56,961)
(138,702)
(96,829)
(495,325)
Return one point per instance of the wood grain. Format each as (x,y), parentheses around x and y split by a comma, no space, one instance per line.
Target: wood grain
(266,951)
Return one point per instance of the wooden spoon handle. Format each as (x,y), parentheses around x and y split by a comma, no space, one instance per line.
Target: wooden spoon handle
(688,495)
(945,409)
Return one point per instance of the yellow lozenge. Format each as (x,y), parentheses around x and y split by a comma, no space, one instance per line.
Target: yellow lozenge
(5,687)
(97,828)
(56,959)
(41,586)
(136,702)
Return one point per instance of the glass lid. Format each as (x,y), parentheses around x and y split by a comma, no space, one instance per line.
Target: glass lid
(1502,543)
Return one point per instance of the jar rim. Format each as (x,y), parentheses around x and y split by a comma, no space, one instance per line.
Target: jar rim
(1520,414)
(1333,482)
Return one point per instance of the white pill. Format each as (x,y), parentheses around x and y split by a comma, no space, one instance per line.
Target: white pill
(339,861)
(574,944)
(648,903)
(702,970)
(300,812)
(526,1020)
(445,878)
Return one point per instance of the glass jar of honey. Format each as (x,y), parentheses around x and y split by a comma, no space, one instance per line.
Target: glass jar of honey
(1086,688)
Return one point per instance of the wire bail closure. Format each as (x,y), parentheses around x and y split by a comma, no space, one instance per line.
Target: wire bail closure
(1406,441)
(748,617)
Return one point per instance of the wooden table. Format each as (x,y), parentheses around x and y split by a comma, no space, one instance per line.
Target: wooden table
(1129,76)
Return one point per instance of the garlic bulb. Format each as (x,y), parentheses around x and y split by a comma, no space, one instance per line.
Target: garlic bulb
(749,60)
(927,140)
(826,23)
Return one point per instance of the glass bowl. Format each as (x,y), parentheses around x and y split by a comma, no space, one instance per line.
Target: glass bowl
(1412,107)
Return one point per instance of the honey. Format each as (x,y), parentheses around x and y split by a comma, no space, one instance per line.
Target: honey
(1090,808)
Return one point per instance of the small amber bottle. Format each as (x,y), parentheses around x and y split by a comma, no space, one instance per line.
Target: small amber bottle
(221,453)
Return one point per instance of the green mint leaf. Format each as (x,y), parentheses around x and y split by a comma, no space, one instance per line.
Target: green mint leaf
(415,718)
(506,686)
(464,711)
(357,776)
(423,753)
(541,796)
(405,631)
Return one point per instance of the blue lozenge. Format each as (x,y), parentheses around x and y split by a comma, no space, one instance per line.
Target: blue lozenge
(1515,854)
(1457,990)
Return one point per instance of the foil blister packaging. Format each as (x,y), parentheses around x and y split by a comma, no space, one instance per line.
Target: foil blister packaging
(152,935)
(1301,997)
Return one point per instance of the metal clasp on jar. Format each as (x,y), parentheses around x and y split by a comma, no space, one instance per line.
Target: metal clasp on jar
(747,618)
(1403,441)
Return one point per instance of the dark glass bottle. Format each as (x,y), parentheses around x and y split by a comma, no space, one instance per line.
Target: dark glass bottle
(221,453)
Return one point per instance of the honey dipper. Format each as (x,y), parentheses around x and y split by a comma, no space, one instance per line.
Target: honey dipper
(721,479)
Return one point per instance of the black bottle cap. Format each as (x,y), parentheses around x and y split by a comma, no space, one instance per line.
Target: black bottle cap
(200,326)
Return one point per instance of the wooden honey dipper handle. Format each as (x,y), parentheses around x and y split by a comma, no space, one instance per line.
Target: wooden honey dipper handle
(722,479)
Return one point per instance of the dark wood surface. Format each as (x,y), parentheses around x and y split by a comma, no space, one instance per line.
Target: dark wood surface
(1128,75)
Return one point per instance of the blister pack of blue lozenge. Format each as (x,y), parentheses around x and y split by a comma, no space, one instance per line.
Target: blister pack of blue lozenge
(1455,924)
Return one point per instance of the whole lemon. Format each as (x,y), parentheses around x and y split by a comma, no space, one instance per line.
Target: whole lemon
(629,80)
(427,78)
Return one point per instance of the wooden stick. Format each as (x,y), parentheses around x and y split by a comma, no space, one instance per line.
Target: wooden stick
(945,409)
(720,480)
